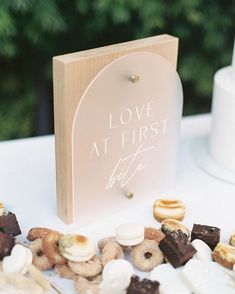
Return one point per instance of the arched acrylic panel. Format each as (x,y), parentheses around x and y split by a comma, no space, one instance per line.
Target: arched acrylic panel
(125,135)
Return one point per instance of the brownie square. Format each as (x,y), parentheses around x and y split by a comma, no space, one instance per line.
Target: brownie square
(7,219)
(177,248)
(210,235)
(144,286)
(9,224)
(6,244)
(11,229)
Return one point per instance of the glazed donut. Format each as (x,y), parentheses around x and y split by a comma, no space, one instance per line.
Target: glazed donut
(153,234)
(87,269)
(50,247)
(112,250)
(38,233)
(64,271)
(40,260)
(85,286)
(147,255)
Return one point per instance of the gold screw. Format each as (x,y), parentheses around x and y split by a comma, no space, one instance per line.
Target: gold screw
(135,78)
(129,195)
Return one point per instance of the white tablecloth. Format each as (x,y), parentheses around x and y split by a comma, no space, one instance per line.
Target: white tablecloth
(27,187)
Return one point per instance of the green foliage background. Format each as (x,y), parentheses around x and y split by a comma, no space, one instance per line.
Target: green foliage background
(33,31)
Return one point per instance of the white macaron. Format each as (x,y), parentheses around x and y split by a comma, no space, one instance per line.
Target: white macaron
(76,248)
(203,250)
(19,260)
(130,234)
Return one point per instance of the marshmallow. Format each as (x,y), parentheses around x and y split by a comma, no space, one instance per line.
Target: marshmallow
(116,276)
(203,250)
(19,260)
(205,277)
(169,279)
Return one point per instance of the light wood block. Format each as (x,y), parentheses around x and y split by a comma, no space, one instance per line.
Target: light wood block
(72,73)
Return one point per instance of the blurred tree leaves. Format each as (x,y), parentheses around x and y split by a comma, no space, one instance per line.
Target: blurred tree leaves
(33,31)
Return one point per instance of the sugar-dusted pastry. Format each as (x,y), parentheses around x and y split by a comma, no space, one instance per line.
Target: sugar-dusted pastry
(76,248)
(168,208)
(102,242)
(232,239)
(170,225)
(116,276)
(112,250)
(147,255)
(207,277)
(87,269)
(169,279)
(39,278)
(138,286)
(19,261)
(15,283)
(151,233)
(64,271)
(209,234)
(38,233)
(85,286)
(177,248)
(40,260)
(130,234)
(203,250)
(50,247)
(224,254)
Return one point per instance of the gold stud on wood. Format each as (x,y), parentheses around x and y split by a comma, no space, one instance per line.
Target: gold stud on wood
(129,195)
(135,78)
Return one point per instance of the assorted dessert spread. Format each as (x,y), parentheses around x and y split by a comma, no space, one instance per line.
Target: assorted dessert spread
(175,260)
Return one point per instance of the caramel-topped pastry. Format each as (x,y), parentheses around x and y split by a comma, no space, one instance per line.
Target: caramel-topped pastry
(232,239)
(168,209)
(224,254)
(171,225)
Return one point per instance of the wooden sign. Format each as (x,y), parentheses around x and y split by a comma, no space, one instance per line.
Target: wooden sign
(117,117)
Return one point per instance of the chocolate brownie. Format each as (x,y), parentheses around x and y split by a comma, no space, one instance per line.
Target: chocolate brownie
(9,224)
(177,248)
(208,234)
(6,244)
(144,286)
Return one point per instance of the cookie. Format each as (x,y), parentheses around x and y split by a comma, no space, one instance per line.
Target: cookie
(168,208)
(76,248)
(130,234)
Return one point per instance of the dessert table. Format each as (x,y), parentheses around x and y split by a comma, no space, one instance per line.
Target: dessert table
(28,188)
